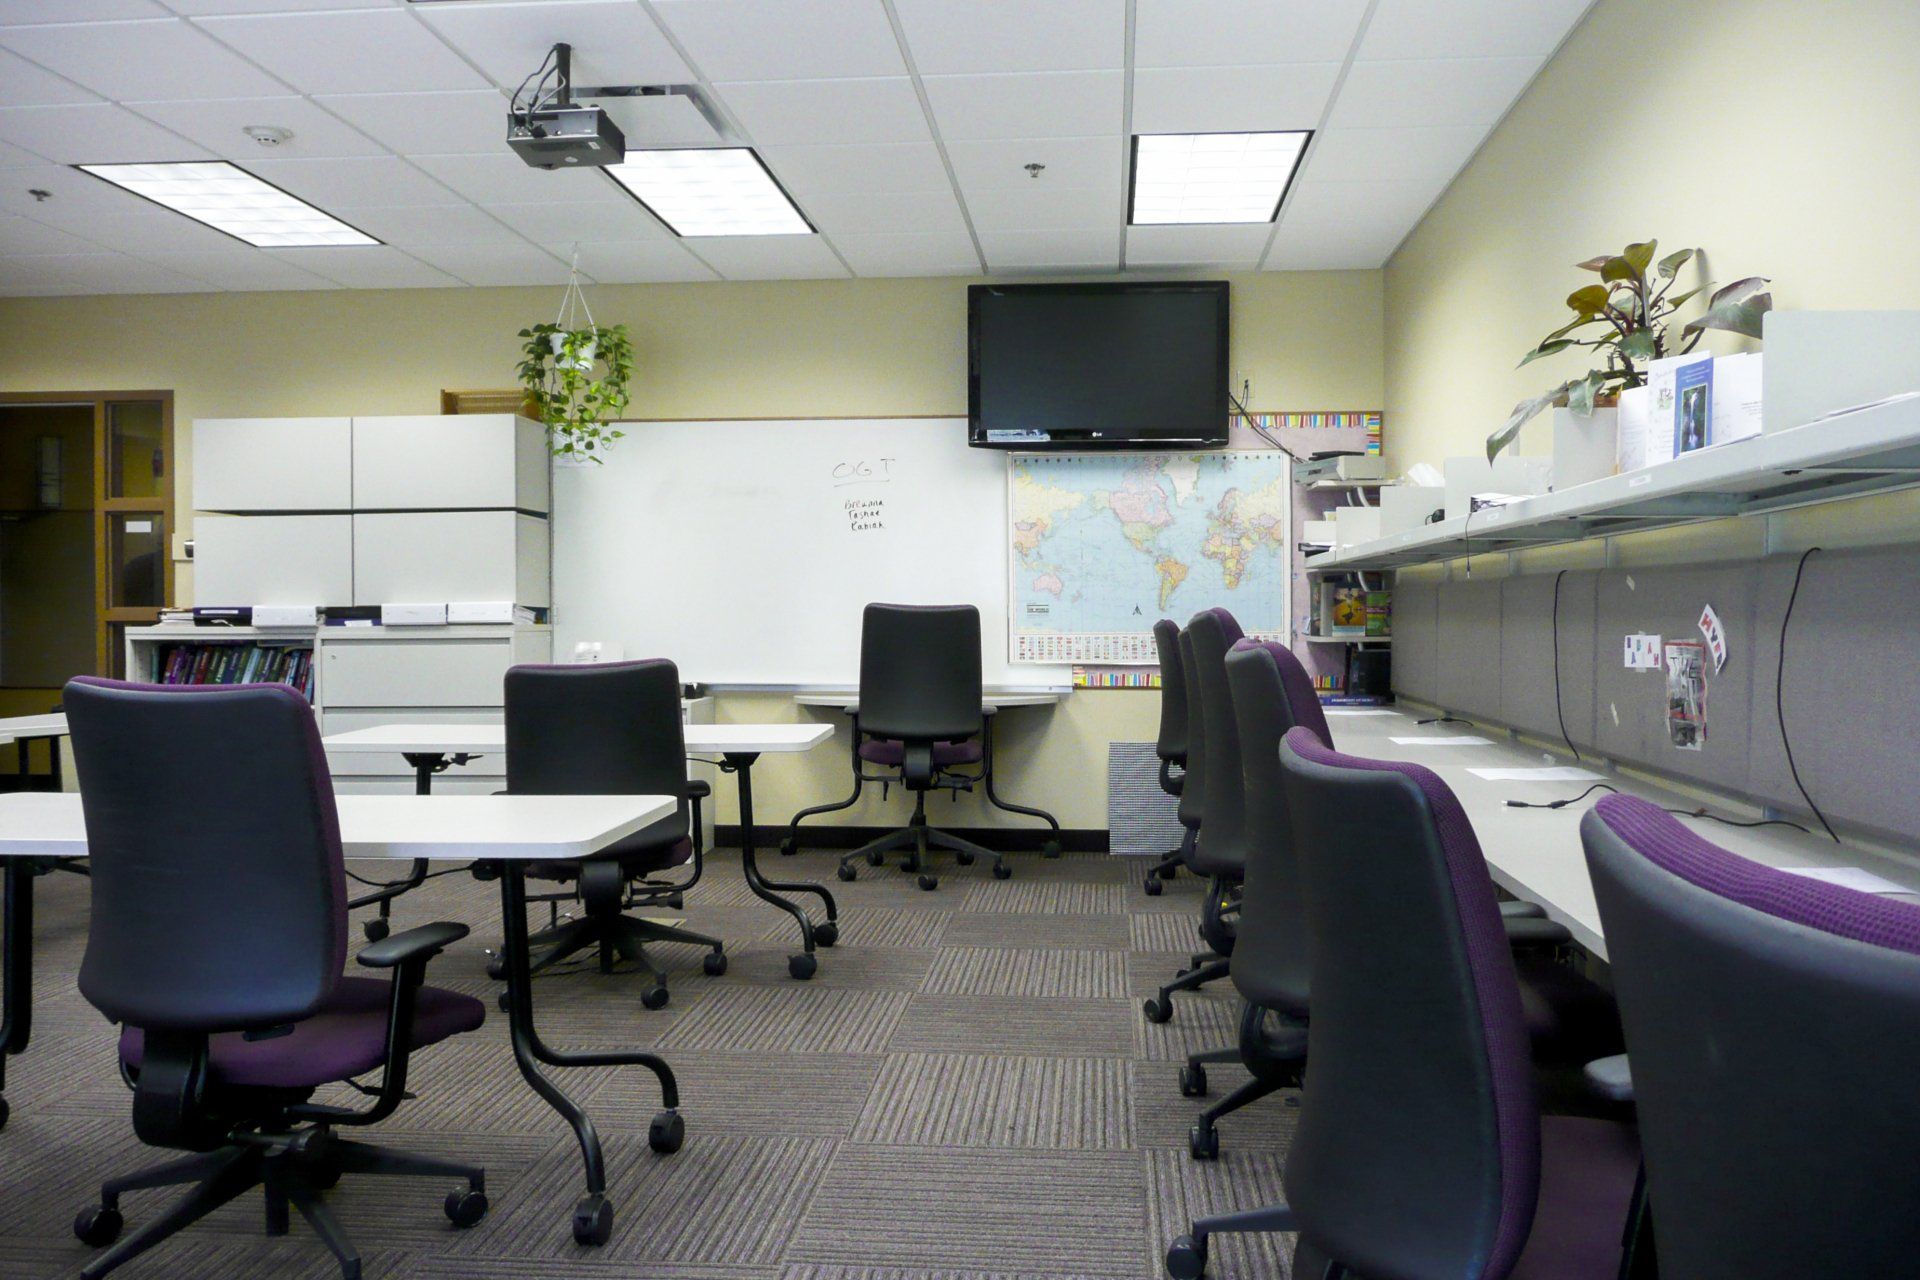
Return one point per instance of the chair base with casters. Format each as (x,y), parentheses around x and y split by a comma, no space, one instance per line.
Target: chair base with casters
(1216,930)
(1276,1057)
(918,837)
(1168,867)
(931,769)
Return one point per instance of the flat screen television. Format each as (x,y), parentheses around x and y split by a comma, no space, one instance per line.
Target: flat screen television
(1097,366)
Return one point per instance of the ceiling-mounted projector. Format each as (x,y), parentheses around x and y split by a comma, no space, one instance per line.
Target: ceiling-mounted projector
(550,131)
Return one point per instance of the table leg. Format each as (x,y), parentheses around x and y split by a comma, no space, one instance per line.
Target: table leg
(827,932)
(16,982)
(1052,847)
(425,765)
(593,1215)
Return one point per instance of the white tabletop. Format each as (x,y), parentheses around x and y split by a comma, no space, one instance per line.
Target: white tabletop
(990,701)
(1536,853)
(52,725)
(483,739)
(399,828)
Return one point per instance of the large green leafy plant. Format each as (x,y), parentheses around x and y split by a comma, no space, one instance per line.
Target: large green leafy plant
(558,369)
(1634,307)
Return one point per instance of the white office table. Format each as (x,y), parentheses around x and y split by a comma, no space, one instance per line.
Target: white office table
(20,730)
(430,748)
(990,701)
(1536,853)
(501,834)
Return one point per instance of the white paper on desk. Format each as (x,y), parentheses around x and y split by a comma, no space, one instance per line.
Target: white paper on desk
(1357,711)
(1848,878)
(1538,773)
(1457,740)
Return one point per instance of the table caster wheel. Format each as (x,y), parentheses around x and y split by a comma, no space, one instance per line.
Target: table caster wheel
(847,872)
(465,1206)
(1203,1141)
(656,997)
(715,964)
(1193,1081)
(802,966)
(962,857)
(1152,886)
(826,933)
(928,882)
(376,929)
(875,858)
(1001,871)
(592,1221)
(98,1226)
(789,847)
(1051,849)
(1187,1258)
(666,1132)
(1156,1009)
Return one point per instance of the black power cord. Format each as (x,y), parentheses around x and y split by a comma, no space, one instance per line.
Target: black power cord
(1779,699)
(1701,812)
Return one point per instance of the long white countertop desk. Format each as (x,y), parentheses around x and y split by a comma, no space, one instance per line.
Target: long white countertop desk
(1536,853)
(990,701)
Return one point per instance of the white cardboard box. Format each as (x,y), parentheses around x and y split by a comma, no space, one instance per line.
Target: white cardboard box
(1508,473)
(1404,507)
(1355,525)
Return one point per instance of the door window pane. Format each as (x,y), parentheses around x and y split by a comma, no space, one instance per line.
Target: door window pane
(136,450)
(136,561)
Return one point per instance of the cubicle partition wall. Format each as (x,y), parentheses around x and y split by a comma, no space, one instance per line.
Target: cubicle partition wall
(1849,692)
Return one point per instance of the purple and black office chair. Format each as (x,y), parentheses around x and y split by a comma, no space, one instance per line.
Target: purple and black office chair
(1211,803)
(1774,1027)
(1170,745)
(217,939)
(611,729)
(1421,1152)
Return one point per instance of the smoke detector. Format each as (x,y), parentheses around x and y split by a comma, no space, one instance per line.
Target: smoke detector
(268,135)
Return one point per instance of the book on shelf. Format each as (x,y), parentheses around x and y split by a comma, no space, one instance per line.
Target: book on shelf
(238,663)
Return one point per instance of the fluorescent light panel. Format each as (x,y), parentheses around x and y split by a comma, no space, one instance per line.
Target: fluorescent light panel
(228,198)
(1212,177)
(711,191)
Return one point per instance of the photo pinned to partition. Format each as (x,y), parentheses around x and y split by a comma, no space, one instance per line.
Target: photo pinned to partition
(1687,694)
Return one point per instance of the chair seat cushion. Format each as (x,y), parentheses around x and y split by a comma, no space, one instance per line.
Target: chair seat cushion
(347,1038)
(1570,1019)
(893,752)
(1587,1171)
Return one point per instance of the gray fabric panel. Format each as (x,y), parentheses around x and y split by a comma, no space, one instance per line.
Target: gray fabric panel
(1630,721)
(1469,626)
(1526,655)
(1141,818)
(1416,607)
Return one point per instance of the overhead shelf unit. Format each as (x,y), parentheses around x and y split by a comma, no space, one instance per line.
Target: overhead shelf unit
(1871,450)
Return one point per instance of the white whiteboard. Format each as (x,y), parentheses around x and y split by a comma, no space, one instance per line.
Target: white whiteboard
(746,551)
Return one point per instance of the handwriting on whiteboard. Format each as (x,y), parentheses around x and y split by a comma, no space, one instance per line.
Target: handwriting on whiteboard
(863,471)
(865,515)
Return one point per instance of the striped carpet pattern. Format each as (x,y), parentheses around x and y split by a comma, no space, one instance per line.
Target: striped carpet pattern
(965,1091)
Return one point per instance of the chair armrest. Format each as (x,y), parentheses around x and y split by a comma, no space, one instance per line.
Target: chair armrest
(422,943)
(698,788)
(1535,931)
(1611,1078)
(1520,909)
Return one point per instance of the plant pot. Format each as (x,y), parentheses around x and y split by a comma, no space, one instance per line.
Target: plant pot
(585,358)
(1585,448)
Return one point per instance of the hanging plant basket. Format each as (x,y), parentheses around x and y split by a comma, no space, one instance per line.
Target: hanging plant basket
(557,368)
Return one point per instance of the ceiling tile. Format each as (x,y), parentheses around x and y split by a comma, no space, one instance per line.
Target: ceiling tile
(92,273)
(1014,35)
(161,60)
(551,222)
(244,269)
(503,176)
(1068,104)
(356,51)
(982,163)
(473,120)
(93,133)
(1232,99)
(1039,206)
(18,12)
(145,228)
(23,236)
(375,267)
(440,224)
(1413,155)
(12,157)
(1347,224)
(1211,33)
(206,8)
(1350,248)
(768,257)
(794,40)
(24,85)
(217,125)
(641,262)
(489,264)
(615,42)
(661,120)
(365,181)
(874,167)
(70,193)
(910,253)
(1497,28)
(869,211)
(1454,91)
(777,112)
(1041,250)
(1239,246)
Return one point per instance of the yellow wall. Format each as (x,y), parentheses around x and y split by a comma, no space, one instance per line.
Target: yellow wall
(778,349)
(1782,137)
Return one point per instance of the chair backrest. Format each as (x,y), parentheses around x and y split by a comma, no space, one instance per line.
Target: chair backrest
(920,671)
(1193,783)
(219,896)
(595,728)
(1272,693)
(1172,743)
(1418,1147)
(1774,1023)
(1222,848)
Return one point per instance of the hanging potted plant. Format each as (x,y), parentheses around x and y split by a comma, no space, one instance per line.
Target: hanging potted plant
(1634,304)
(557,369)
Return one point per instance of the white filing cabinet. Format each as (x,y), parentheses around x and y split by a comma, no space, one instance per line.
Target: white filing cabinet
(280,559)
(402,557)
(451,462)
(272,464)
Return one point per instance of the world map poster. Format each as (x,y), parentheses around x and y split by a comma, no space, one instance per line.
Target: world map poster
(1103,545)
